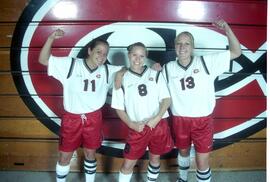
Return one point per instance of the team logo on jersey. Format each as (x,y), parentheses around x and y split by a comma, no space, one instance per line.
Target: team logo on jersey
(98,75)
(151,79)
(237,115)
(196,71)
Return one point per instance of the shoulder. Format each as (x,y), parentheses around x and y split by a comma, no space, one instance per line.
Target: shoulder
(171,63)
(63,58)
(151,70)
(112,68)
(61,61)
(217,54)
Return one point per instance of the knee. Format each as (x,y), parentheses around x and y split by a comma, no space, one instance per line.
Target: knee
(154,160)
(184,152)
(127,168)
(202,165)
(64,160)
(202,161)
(90,154)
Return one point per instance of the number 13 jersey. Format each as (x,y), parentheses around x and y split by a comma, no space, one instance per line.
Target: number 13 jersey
(192,87)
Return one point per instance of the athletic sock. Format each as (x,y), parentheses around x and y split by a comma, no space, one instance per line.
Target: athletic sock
(184,164)
(90,167)
(204,176)
(124,177)
(152,173)
(61,172)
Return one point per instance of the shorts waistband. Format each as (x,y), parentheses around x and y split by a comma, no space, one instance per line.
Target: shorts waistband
(82,114)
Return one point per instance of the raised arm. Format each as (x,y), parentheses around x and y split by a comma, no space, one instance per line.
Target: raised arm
(46,49)
(234,45)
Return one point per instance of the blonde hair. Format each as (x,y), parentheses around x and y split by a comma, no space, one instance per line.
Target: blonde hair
(139,44)
(188,34)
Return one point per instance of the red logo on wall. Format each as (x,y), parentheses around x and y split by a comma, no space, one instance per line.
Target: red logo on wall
(241,93)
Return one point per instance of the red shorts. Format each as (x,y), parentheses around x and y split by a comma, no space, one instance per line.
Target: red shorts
(158,140)
(197,130)
(77,130)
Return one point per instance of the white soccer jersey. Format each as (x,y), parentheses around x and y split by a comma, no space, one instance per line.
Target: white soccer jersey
(192,88)
(84,90)
(141,94)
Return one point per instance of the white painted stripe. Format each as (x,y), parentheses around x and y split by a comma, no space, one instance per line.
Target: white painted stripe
(239,128)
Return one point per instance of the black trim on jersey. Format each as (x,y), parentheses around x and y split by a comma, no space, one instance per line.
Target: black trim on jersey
(139,74)
(187,66)
(157,76)
(122,87)
(166,73)
(88,68)
(204,65)
(71,68)
(107,72)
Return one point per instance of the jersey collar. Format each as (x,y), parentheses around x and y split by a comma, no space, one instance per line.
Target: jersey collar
(187,66)
(137,74)
(88,68)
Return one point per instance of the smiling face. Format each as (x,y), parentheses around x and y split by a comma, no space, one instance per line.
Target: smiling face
(137,54)
(98,54)
(184,45)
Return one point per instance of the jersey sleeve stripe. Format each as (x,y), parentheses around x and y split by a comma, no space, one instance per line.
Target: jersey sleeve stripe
(204,65)
(166,73)
(107,73)
(71,67)
(157,76)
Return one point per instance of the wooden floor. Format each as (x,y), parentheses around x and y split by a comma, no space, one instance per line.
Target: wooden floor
(218,176)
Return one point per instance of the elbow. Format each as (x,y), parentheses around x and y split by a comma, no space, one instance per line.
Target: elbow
(236,53)
(43,61)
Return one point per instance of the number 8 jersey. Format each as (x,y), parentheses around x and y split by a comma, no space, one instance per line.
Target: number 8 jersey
(192,87)
(141,94)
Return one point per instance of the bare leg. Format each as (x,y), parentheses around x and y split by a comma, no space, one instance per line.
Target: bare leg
(203,173)
(184,164)
(90,164)
(126,170)
(153,167)
(63,166)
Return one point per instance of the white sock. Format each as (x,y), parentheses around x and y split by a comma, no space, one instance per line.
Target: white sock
(184,164)
(204,176)
(152,173)
(61,172)
(124,177)
(90,168)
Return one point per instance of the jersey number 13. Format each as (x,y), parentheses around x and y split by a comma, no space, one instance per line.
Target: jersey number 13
(187,83)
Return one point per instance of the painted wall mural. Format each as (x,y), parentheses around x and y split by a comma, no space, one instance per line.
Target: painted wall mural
(241,93)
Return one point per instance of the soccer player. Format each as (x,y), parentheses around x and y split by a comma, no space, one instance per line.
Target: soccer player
(191,83)
(142,103)
(85,85)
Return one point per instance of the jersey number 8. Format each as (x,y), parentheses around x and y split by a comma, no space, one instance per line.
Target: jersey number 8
(142,90)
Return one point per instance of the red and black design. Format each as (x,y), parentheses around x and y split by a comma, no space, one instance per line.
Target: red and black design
(241,96)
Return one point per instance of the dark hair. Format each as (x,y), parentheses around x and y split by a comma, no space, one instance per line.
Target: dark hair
(96,42)
(92,44)
(139,44)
